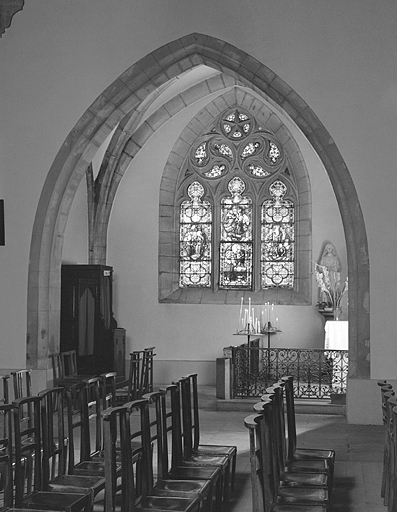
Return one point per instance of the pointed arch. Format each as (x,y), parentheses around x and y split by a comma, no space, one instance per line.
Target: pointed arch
(125,95)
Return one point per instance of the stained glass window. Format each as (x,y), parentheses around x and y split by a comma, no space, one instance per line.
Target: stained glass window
(242,235)
(195,239)
(277,227)
(236,238)
(201,154)
(273,153)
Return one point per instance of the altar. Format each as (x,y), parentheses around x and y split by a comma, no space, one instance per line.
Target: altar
(336,335)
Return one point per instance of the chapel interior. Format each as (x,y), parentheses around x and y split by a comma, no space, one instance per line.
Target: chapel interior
(110,111)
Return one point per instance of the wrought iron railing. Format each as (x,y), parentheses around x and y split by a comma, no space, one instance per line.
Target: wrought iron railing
(317,373)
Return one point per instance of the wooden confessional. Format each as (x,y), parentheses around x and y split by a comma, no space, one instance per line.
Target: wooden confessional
(87,322)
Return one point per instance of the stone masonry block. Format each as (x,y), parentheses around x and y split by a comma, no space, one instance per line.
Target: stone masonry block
(211,54)
(195,93)
(117,92)
(188,135)
(251,63)
(164,56)
(150,66)
(215,83)
(289,109)
(175,105)
(281,87)
(143,134)
(186,63)
(296,101)
(173,70)
(131,148)
(158,118)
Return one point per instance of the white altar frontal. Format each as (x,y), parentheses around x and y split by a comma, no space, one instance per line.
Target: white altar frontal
(336,335)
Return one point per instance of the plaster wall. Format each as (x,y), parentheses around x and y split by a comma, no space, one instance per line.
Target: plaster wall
(57,57)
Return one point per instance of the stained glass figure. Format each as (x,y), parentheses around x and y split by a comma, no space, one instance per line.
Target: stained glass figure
(224,150)
(277,235)
(236,238)
(258,171)
(273,153)
(216,171)
(200,155)
(250,149)
(195,239)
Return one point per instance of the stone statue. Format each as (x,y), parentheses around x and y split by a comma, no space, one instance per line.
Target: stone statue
(330,259)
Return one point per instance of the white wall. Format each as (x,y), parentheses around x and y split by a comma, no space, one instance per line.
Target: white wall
(57,57)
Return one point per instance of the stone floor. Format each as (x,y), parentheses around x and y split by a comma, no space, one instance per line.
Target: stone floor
(359,452)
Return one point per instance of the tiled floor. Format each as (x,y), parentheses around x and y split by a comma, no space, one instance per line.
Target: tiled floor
(359,453)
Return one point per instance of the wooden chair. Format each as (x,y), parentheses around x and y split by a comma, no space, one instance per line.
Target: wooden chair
(117,427)
(69,366)
(6,461)
(392,477)
(146,378)
(30,490)
(386,393)
(6,455)
(108,389)
(162,485)
(390,499)
(178,470)
(54,451)
(302,475)
(83,404)
(265,485)
(128,389)
(22,383)
(200,459)
(4,395)
(22,387)
(4,391)
(315,472)
(59,378)
(191,427)
(295,453)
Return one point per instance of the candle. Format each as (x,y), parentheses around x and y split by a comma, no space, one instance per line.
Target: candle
(240,318)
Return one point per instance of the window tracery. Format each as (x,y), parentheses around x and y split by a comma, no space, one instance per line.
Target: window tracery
(245,235)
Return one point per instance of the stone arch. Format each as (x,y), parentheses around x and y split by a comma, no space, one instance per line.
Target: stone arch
(129,93)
